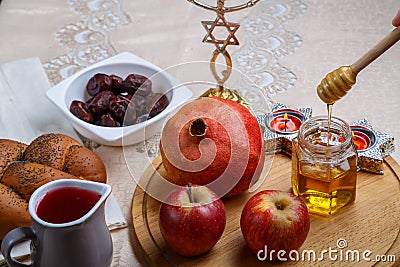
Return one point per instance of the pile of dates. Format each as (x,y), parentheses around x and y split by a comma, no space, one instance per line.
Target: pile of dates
(115,102)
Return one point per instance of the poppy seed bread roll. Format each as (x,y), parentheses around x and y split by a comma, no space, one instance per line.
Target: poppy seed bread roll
(25,177)
(82,162)
(13,211)
(10,151)
(24,168)
(50,150)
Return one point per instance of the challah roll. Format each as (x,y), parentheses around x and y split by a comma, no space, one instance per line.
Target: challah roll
(10,151)
(24,168)
(50,150)
(81,163)
(13,211)
(25,177)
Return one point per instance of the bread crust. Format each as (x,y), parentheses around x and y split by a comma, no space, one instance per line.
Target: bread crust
(10,151)
(49,149)
(13,210)
(25,177)
(82,162)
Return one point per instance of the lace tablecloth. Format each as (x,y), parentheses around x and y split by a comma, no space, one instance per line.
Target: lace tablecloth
(286,48)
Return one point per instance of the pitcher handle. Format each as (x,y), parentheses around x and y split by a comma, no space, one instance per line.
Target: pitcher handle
(12,238)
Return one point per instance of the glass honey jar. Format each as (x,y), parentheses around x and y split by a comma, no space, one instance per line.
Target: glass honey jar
(324,165)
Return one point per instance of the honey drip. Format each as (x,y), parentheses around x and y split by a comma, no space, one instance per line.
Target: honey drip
(329,107)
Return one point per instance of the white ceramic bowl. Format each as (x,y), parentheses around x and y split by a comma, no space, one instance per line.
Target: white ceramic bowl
(73,88)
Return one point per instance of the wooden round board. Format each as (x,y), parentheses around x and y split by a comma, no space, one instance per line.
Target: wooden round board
(371,223)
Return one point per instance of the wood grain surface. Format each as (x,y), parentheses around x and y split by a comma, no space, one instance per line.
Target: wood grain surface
(372,223)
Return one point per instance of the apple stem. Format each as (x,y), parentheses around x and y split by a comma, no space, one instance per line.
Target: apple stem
(190,193)
(198,128)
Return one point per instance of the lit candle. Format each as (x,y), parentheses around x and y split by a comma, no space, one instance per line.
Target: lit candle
(286,121)
(361,140)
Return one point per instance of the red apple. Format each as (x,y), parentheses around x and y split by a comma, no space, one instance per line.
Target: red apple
(192,219)
(274,223)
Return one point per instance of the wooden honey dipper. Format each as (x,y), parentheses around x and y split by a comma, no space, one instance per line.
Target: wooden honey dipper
(337,83)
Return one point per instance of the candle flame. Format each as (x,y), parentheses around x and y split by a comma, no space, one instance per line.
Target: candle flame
(285,116)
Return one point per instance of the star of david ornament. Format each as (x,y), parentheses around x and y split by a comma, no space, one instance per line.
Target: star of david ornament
(372,146)
(281,126)
(221,44)
(219,22)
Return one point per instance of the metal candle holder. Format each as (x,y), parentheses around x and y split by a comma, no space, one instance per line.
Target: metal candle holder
(380,145)
(221,44)
(276,141)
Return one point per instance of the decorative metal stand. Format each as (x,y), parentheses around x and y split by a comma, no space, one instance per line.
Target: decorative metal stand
(379,146)
(220,44)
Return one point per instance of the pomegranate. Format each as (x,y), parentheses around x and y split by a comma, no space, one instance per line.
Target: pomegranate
(215,142)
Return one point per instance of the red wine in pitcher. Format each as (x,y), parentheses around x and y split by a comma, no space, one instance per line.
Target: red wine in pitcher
(66,204)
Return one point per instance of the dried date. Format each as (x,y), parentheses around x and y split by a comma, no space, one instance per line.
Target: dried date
(107,120)
(116,82)
(81,110)
(137,83)
(118,106)
(140,103)
(130,114)
(156,103)
(98,83)
(100,103)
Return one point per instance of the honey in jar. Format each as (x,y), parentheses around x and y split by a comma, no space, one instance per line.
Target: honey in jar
(324,165)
